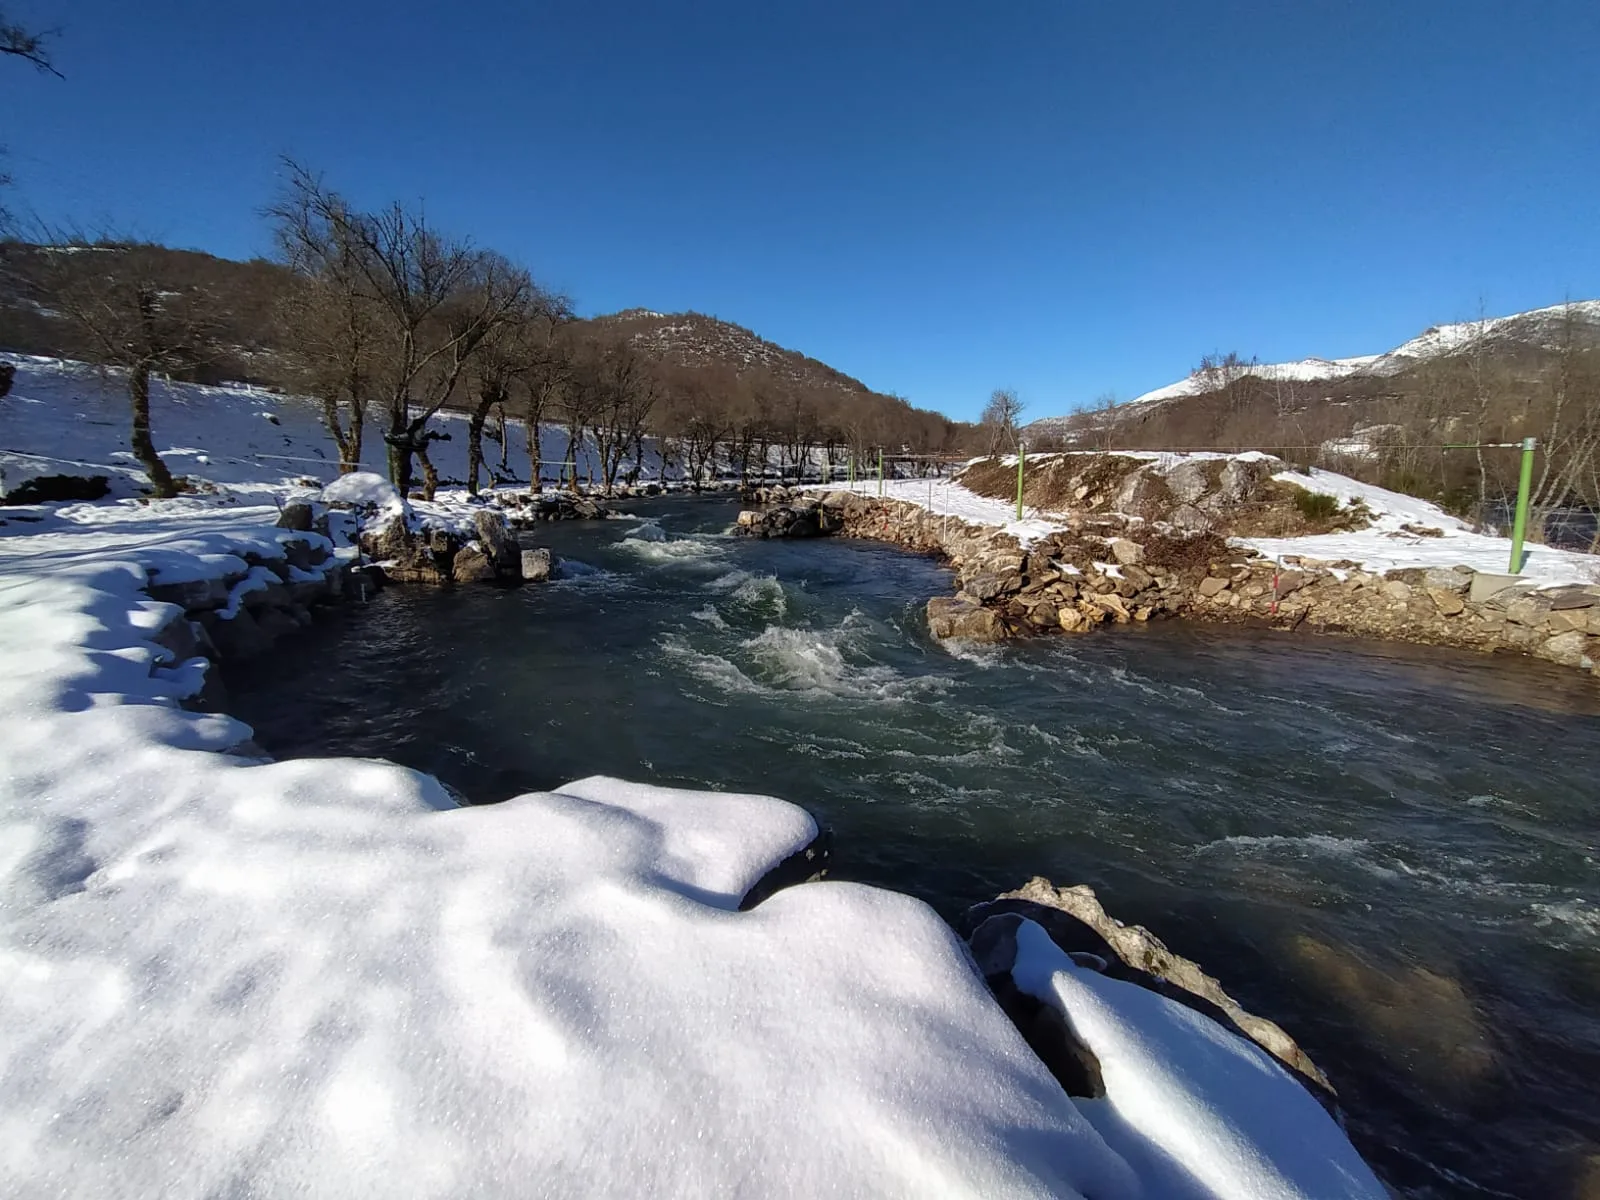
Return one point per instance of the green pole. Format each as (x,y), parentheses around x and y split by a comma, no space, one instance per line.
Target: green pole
(1022,457)
(880,472)
(852,472)
(1519,530)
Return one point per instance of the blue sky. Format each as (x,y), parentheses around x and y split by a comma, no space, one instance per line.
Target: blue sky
(1069,197)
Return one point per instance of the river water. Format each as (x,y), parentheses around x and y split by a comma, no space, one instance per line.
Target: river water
(1390,851)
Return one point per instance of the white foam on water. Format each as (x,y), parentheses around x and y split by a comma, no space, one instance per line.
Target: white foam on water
(709,614)
(1576,916)
(762,592)
(689,551)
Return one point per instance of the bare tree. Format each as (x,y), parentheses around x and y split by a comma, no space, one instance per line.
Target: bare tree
(29,45)
(999,419)
(504,361)
(440,299)
(134,318)
(329,316)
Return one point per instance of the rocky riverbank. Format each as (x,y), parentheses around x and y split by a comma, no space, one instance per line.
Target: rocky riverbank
(1107,569)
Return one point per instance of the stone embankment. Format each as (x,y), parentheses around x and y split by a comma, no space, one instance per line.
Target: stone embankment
(1103,569)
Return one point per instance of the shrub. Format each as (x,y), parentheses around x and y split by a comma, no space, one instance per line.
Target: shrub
(1316,506)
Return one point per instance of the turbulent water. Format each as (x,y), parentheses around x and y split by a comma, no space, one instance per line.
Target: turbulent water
(1390,851)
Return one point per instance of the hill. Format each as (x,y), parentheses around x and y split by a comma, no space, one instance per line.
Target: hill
(1400,417)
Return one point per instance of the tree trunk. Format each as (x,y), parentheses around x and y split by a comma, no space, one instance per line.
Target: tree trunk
(144,449)
(535,453)
(430,474)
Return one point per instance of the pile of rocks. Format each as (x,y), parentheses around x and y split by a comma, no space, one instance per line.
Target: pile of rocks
(1105,570)
(488,553)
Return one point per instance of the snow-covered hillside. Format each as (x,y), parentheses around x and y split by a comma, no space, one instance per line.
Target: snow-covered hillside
(67,418)
(1541,327)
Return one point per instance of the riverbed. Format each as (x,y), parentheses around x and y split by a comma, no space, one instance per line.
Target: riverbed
(1389,850)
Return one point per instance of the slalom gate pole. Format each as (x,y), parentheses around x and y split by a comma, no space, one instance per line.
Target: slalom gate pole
(880,473)
(1519,529)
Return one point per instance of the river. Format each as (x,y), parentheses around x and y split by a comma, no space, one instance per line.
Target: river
(1389,850)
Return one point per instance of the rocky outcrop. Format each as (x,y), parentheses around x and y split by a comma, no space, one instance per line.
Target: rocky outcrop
(489,554)
(799,519)
(1080,925)
(1106,570)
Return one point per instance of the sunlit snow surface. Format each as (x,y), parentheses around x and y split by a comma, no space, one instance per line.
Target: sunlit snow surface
(226,976)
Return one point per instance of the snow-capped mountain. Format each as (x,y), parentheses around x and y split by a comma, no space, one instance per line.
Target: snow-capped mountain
(1539,330)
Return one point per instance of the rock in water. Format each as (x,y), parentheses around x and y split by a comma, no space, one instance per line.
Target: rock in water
(505,556)
(536,565)
(954,617)
(472,565)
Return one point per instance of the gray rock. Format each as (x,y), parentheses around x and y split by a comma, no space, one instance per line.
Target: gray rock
(1440,579)
(1447,600)
(296,515)
(1211,585)
(1527,610)
(1574,596)
(1568,649)
(473,565)
(536,565)
(1398,590)
(955,617)
(1125,551)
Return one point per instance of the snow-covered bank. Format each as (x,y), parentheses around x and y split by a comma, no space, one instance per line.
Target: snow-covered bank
(1390,542)
(321,977)
(1393,541)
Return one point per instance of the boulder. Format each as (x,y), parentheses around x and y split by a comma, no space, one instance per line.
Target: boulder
(505,556)
(1072,621)
(1211,585)
(988,584)
(296,515)
(956,617)
(1079,924)
(536,565)
(1447,600)
(1569,649)
(1397,590)
(1289,582)
(1568,620)
(1440,579)
(1529,610)
(1573,596)
(1125,551)
(473,565)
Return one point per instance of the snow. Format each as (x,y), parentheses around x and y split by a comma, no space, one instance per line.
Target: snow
(1387,545)
(63,417)
(223,974)
(1432,343)
(945,497)
(1199,1110)
(364,489)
